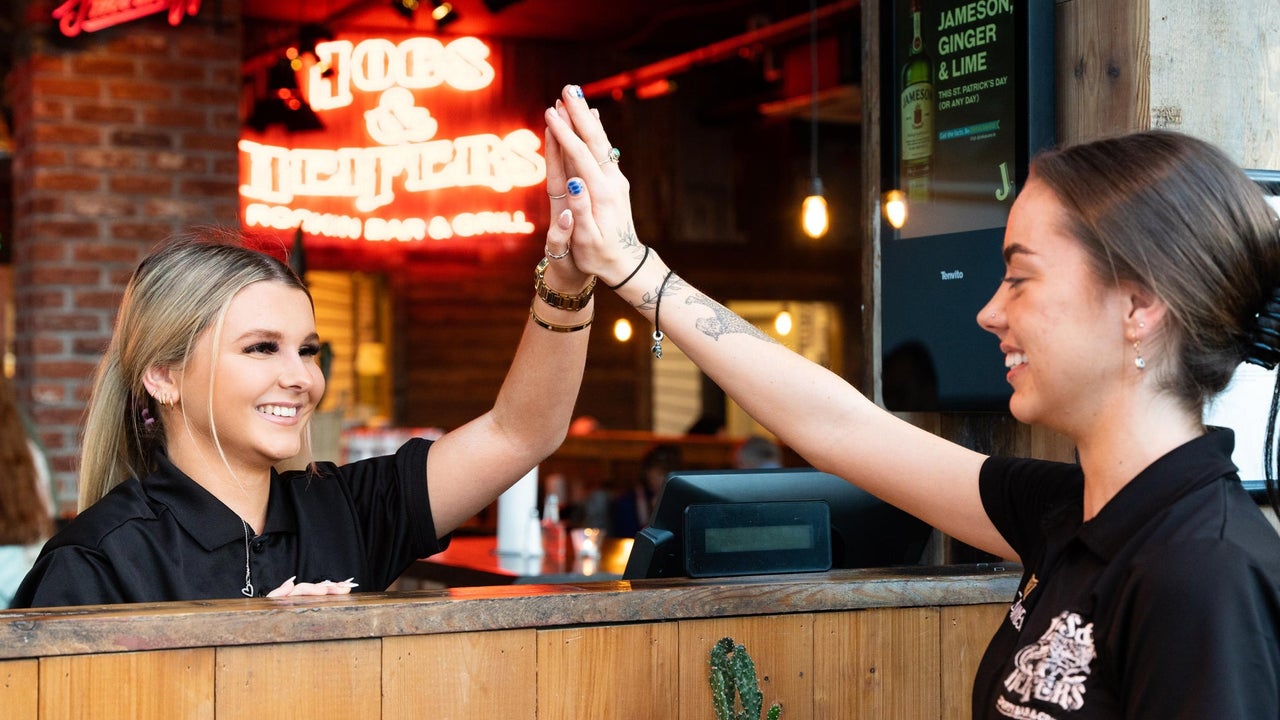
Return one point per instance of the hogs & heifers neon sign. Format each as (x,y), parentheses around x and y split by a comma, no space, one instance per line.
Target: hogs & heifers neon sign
(389,170)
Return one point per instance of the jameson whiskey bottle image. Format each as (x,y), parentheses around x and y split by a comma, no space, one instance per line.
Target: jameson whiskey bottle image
(917,108)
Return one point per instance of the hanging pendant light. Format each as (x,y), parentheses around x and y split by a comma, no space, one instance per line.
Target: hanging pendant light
(813,213)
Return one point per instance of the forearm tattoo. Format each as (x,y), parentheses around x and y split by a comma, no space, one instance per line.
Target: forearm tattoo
(722,321)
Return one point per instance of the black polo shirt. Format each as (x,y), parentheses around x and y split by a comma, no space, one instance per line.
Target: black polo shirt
(167,538)
(1164,605)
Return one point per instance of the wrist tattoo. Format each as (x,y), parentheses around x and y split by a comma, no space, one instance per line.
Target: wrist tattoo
(650,299)
(628,239)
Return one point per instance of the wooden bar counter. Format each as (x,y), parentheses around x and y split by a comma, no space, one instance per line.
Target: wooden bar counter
(901,643)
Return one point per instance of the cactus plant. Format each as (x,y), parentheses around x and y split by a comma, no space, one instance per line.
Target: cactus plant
(734,674)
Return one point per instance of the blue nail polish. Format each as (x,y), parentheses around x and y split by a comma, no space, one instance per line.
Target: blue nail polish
(576,91)
(576,187)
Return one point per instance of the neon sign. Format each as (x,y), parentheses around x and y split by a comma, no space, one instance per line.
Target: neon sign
(76,16)
(394,177)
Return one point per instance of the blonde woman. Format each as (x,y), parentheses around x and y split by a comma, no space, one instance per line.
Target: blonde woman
(211,378)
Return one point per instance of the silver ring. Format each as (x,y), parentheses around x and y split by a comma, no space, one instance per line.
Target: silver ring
(561,196)
(547,251)
(614,156)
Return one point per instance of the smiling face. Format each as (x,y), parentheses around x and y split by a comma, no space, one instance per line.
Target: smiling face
(254,381)
(1060,327)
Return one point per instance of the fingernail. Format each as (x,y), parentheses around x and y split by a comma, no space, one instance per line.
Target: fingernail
(565,221)
(575,187)
(559,104)
(576,91)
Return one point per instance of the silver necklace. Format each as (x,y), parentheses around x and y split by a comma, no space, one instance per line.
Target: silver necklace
(247,590)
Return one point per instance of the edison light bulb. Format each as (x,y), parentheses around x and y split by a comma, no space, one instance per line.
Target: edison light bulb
(814,216)
(782,323)
(622,330)
(895,208)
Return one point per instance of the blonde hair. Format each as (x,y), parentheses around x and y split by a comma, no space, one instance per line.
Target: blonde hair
(176,293)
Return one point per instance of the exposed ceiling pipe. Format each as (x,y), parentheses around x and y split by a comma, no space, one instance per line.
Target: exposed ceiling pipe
(715,52)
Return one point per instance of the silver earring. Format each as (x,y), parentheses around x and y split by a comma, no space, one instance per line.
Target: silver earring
(1138,361)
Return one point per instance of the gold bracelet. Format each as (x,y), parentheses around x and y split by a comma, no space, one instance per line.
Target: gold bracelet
(561,328)
(558,300)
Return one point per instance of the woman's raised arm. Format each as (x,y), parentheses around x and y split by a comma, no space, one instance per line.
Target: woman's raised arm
(814,411)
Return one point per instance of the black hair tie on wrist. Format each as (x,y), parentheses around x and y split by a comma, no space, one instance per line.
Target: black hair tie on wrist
(627,279)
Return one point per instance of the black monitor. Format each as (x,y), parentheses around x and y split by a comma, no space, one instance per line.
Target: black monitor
(967,98)
(864,530)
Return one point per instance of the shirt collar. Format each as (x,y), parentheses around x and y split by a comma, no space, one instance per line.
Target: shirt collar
(202,515)
(1184,469)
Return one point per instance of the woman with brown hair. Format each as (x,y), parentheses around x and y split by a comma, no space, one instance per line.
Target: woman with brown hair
(1140,272)
(26,511)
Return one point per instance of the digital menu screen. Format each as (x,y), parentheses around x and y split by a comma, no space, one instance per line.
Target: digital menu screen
(966,99)
(957,113)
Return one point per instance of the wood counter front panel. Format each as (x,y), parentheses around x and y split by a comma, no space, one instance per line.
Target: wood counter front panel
(878,664)
(966,631)
(341,679)
(461,675)
(780,646)
(18,679)
(893,663)
(158,685)
(860,644)
(618,671)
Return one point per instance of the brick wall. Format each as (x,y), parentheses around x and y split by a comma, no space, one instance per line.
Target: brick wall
(122,137)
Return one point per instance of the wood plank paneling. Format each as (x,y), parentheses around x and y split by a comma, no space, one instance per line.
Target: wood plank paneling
(300,680)
(460,675)
(781,647)
(1102,68)
(139,686)
(616,671)
(877,664)
(17,680)
(966,631)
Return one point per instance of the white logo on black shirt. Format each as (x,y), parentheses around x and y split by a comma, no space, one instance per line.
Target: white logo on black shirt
(1054,669)
(1016,611)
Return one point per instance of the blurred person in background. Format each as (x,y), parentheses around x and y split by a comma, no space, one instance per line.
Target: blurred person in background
(26,506)
(757,453)
(632,508)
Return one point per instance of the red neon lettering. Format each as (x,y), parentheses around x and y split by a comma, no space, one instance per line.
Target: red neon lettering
(77,16)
